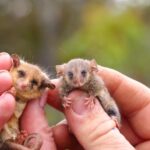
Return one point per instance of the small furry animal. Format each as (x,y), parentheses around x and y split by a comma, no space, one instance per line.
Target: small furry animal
(82,74)
(29,82)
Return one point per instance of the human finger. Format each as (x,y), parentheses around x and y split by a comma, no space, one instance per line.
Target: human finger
(63,137)
(129,94)
(94,124)
(34,120)
(53,96)
(5,61)
(7,107)
(5,81)
(133,99)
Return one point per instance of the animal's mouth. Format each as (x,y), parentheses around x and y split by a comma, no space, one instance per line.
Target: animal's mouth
(29,94)
(22,87)
(79,84)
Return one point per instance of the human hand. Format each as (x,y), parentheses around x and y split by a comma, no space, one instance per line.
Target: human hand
(94,129)
(118,85)
(7,101)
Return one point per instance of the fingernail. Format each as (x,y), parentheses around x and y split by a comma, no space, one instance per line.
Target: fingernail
(3,71)
(4,74)
(3,95)
(5,80)
(3,53)
(100,68)
(6,94)
(78,104)
(62,122)
(5,57)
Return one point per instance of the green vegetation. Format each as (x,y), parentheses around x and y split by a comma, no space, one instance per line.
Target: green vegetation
(115,39)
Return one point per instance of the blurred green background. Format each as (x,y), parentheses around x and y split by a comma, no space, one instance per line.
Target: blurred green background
(48,32)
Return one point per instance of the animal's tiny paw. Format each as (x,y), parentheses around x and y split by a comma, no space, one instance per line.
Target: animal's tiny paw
(67,102)
(21,137)
(90,101)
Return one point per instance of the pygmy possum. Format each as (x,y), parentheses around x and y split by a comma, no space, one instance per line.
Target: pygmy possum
(29,83)
(83,74)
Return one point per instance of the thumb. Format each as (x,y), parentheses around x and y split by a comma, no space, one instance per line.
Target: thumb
(93,128)
(34,120)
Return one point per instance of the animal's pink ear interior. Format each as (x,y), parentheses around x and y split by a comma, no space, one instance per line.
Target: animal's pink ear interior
(16,60)
(93,65)
(60,69)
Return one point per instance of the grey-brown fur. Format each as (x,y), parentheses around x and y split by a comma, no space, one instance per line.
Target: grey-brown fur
(29,82)
(92,83)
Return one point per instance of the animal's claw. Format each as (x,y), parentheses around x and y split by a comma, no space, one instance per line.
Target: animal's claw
(67,102)
(90,101)
(21,137)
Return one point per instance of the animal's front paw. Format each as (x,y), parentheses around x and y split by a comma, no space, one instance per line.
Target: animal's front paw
(90,101)
(21,137)
(66,102)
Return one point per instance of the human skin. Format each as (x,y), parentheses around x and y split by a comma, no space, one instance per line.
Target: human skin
(7,101)
(92,128)
(133,99)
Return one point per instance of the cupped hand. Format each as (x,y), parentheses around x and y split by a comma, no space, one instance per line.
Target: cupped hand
(93,129)
(133,99)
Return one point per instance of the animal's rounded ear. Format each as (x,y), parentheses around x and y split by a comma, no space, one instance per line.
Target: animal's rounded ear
(50,85)
(47,84)
(93,65)
(60,70)
(16,60)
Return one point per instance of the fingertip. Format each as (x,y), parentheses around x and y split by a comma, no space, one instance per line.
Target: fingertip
(5,61)
(8,102)
(63,137)
(7,107)
(33,120)
(5,81)
(52,98)
(125,90)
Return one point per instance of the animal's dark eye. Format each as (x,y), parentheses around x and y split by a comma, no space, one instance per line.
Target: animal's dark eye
(83,72)
(21,73)
(34,82)
(70,75)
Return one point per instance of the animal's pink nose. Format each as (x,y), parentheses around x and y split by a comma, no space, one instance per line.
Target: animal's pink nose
(24,86)
(77,83)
